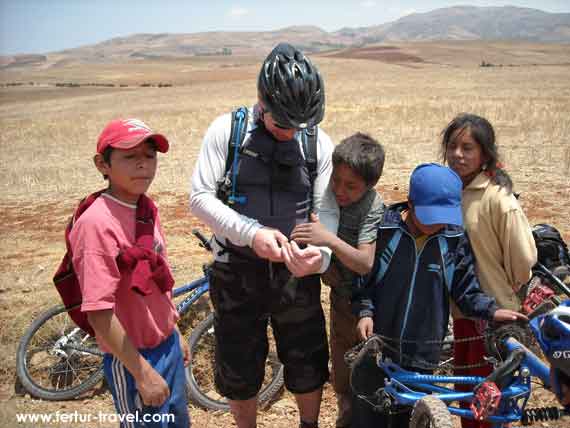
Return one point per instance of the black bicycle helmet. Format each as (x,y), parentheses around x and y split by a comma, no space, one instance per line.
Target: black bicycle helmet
(291,88)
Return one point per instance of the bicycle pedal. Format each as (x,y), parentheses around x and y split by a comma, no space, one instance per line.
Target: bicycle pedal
(486,401)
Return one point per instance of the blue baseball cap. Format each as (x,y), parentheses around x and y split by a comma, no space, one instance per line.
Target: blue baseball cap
(435,192)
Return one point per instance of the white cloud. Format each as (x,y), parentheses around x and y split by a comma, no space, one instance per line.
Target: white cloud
(368,3)
(237,12)
(397,13)
(407,12)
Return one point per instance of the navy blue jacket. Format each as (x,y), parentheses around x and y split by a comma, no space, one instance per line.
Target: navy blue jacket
(411,301)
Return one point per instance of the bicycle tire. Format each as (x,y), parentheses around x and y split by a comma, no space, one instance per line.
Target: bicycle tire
(200,381)
(430,412)
(56,360)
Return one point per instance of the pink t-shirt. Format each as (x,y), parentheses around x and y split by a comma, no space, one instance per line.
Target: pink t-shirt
(97,238)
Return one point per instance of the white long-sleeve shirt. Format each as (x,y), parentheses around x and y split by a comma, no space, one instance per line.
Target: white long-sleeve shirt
(225,222)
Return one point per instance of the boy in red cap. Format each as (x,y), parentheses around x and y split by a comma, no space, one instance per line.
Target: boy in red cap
(118,254)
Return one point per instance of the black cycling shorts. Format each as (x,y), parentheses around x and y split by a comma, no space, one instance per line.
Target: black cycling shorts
(246,296)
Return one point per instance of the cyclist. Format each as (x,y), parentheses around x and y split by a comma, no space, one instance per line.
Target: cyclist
(254,259)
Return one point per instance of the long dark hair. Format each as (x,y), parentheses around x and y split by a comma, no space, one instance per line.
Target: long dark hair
(483,133)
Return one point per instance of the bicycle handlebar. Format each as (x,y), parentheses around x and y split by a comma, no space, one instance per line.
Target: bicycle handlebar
(203,240)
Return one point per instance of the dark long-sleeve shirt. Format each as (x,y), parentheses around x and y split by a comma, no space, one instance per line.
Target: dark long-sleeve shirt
(410,303)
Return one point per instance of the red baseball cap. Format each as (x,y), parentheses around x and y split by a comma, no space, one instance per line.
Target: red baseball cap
(128,133)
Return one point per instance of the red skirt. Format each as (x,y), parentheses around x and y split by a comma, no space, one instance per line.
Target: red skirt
(467,353)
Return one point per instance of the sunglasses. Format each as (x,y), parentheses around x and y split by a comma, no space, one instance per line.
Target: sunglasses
(264,110)
(285,128)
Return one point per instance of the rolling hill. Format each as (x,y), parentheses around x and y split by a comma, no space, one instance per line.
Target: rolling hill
(453,23)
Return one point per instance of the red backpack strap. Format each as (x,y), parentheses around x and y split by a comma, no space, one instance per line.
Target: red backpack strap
(79,210)
(145,221)
(149,262)
(65,279)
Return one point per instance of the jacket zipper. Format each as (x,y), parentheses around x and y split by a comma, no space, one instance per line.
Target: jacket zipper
(413,284)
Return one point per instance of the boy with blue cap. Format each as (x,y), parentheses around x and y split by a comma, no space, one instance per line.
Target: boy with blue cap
(423,258)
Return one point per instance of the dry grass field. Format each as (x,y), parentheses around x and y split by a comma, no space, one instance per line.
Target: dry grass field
(48,136)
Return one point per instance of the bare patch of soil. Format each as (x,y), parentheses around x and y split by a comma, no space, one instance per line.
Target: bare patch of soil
(388,54)
(53,218)
(49,93)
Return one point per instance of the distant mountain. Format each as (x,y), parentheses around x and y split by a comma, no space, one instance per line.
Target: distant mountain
(472,23)
(210,43)
(453,23)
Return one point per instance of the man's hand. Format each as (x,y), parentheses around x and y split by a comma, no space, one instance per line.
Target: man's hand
(364,327)
(302,262)
(152,388)
(502,315)
(268,243)
(312,233)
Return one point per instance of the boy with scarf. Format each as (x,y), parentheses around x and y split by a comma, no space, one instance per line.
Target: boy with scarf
(118,254)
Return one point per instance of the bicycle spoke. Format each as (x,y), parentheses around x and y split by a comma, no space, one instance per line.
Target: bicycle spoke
(60,360)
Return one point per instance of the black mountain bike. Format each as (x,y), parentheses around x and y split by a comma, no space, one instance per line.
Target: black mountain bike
(56,360)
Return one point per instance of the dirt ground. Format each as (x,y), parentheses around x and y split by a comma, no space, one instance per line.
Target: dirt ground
(280,413)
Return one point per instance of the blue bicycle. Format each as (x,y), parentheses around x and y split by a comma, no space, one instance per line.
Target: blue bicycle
(501,398)
(56,360)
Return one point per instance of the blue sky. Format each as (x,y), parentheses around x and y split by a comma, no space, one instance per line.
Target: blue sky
(39,26)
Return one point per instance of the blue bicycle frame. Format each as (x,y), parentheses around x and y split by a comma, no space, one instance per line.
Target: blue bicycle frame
(196,289)
(407,387)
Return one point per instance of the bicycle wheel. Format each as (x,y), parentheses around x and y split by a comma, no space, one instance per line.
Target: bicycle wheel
(56,360)
(430,412)
(201,371)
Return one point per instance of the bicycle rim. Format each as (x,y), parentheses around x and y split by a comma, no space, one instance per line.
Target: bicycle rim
(56,360)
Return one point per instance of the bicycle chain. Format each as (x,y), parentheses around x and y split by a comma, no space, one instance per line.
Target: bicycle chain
(422,364)
(351,354)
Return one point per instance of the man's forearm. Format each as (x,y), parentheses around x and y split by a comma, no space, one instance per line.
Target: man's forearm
(223,220)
